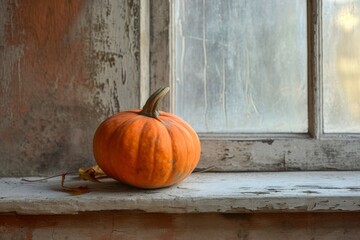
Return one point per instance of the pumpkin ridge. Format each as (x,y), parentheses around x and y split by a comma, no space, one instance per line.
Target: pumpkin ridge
(188,160)
(156,159)
(115,137)
(189,130)
(187,137)
(154,163)
(106,127)
(169,173)
(115,118)
(138,153)
(174,129)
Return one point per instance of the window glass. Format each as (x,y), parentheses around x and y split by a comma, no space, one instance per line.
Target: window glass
(341,66)
(241,66)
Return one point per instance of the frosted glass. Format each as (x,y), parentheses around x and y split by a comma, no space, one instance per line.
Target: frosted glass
(241,66)
(341,66)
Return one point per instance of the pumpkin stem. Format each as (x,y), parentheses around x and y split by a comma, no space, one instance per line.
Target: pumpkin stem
(150,107)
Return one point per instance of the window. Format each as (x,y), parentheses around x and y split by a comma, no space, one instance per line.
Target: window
(305,116)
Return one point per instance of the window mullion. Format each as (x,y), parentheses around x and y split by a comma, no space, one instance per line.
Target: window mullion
(314,68)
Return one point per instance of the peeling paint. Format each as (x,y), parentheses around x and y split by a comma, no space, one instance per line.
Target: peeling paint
(65,66)
(112,55)
(281,155)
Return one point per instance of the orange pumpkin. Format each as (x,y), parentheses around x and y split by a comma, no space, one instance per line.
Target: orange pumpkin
(146,148)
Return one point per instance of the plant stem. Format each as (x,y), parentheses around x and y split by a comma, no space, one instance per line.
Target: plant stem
(150,107)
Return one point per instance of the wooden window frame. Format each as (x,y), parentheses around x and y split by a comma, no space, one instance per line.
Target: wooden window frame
(312,151)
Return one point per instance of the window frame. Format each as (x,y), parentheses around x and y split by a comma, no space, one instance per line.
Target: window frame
(314,150)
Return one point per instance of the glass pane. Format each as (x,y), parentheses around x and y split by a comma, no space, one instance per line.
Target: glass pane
(241,66)
(341,65)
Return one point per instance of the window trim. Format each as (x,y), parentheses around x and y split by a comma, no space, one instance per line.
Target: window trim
(260,152)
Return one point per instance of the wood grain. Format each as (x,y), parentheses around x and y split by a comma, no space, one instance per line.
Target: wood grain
(134,225)
(280,155)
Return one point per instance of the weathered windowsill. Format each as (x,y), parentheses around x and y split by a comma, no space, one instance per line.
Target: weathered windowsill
(201,192)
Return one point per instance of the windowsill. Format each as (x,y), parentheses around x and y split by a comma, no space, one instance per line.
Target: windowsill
(201,192)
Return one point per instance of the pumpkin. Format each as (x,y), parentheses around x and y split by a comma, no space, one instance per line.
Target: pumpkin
(146,148)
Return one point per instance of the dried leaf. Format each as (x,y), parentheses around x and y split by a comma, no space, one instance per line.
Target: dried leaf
(91,174)
(73,190)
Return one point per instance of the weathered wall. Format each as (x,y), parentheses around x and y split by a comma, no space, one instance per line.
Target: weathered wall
(96,226)
(64,67)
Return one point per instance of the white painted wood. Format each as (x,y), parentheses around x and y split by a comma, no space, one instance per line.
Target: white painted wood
(115,45)
(314,27)
(280,155)
(144,51)
(201,192)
